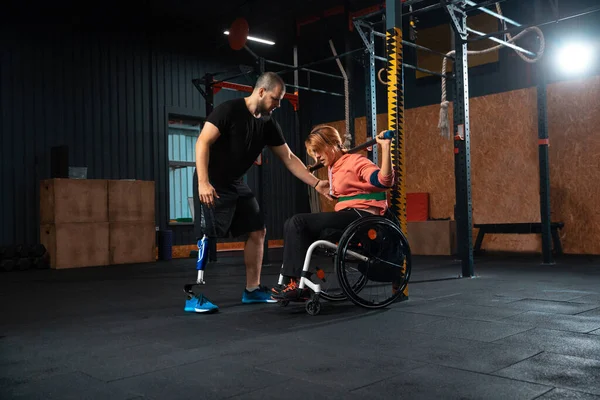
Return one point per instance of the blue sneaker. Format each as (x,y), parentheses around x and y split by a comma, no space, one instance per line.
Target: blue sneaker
(199,304)
(260,295)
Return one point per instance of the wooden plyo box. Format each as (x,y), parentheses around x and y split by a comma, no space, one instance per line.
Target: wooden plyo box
(132,242)
(432,237)
(131,200)
(93,222)
(76,244)
(73,200)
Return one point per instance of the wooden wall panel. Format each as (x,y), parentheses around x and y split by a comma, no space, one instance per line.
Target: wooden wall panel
(504,165)
(504,162)
(574,126)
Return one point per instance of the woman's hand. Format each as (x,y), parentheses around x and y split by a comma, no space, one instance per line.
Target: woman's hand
(386,153)
(380,139)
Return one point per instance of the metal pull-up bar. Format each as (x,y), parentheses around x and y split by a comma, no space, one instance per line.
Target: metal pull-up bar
(507,44)
(358,24)
(521,27)
(492,13)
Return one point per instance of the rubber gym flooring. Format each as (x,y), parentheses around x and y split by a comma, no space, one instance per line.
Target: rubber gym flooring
(519,330)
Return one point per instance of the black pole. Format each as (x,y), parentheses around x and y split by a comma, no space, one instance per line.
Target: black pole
(542,111)
(462,141)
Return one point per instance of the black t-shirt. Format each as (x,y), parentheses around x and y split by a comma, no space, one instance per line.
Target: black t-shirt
(241,141)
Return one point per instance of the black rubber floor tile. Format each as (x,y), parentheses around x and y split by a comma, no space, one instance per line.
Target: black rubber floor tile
(571,323)
(564,394)
(488,299)
(379,332)
(299,389)
(19,372)
(436,382)
(466,311)
(139,360)
(74,386)
(324,365)
(209,379)
(59,345)
(557,307)
(589,298)
(591,313)
(557,294)
(484,331)
(567,372)
(566,343)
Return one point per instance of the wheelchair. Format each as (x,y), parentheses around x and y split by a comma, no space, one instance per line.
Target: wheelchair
(369,255)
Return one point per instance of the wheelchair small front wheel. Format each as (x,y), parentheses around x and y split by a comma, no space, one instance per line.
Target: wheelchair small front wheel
(373,262)
(284,303)
(313,307)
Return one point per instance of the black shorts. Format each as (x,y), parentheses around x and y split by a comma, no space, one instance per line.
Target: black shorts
(236,211)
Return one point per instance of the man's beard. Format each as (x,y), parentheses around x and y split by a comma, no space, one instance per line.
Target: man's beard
(263,110)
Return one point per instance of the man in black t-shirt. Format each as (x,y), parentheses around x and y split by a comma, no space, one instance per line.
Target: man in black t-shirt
(232,138)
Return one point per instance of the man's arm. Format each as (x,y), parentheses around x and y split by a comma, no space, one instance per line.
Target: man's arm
(207,137)
(298,168)
(209,134)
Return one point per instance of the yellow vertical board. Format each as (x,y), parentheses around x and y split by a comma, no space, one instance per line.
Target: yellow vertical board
(395,88)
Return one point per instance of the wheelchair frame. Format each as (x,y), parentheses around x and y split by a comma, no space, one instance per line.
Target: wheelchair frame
(313,306)
(315,287)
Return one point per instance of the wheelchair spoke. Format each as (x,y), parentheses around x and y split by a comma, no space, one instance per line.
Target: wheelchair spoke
(389,262)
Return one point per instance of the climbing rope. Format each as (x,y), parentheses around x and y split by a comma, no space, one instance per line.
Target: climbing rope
(443,123)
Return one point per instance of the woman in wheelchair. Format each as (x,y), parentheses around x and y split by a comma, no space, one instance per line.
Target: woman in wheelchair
(356,182)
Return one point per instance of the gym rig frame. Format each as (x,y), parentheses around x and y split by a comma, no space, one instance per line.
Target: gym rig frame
(394,14)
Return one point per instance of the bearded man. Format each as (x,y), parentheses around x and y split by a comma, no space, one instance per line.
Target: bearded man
(233,136)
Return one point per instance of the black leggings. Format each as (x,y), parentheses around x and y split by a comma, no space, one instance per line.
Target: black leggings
(302,230)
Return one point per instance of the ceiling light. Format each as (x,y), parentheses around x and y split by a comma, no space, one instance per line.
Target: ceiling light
(255,39)
(575,57)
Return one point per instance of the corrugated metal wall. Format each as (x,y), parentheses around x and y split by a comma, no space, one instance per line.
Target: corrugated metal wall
(107,97)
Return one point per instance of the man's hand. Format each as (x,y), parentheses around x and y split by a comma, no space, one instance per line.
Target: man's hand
(207,194)
(323,188)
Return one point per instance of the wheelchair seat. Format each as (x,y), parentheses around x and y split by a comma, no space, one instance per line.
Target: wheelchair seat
(335,235)
(331,234)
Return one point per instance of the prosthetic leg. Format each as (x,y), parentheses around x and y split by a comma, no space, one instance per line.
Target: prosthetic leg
(198,303)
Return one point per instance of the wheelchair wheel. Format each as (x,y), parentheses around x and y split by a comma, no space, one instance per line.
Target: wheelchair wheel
(380,274)
(331,290)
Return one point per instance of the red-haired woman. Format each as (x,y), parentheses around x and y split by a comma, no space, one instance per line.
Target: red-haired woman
(356,182)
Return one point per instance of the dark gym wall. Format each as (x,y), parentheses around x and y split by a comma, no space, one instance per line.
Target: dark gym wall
(106,96)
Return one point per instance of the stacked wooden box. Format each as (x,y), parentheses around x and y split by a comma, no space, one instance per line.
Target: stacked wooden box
(93,222)
(426,236)
(432,238)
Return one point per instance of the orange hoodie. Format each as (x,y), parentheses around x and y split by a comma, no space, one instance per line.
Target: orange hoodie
(355,174)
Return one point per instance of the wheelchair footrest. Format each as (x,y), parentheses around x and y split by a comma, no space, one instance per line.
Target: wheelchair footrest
(298,297)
